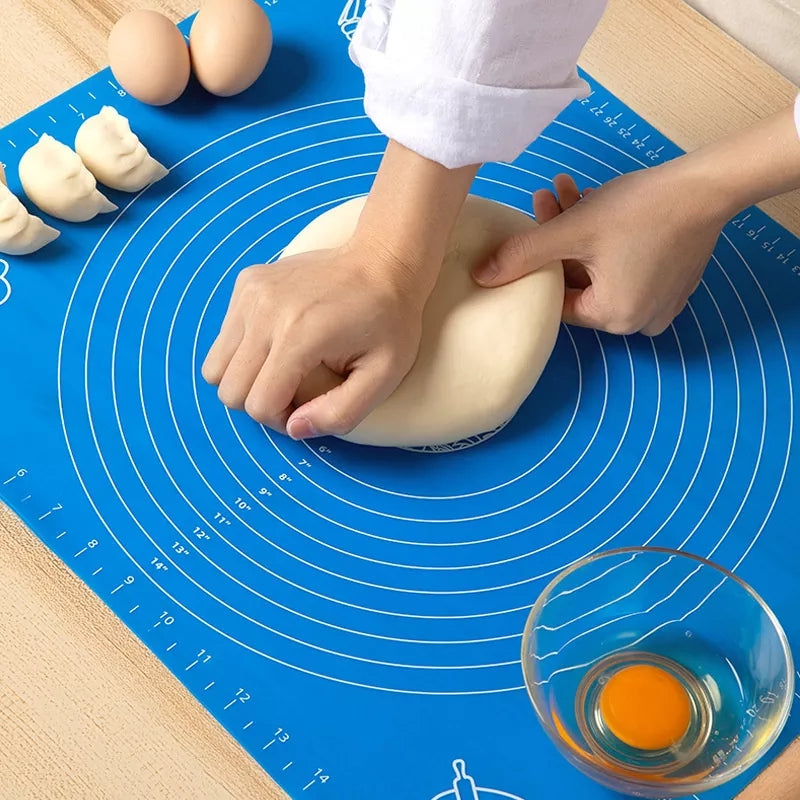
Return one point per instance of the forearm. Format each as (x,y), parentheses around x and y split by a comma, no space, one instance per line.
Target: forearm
(410,213)
(748,166)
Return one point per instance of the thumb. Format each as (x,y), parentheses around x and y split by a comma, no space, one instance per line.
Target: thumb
(342,408)
(527,252)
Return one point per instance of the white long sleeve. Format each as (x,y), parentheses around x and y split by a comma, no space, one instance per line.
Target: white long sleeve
(468,81)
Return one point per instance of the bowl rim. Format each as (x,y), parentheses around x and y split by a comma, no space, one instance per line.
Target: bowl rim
(590,768)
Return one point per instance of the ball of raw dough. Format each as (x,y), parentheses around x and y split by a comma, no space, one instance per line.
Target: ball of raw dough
(482,350)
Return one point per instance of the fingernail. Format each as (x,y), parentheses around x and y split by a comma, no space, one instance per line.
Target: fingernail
(487,272)
(301,428)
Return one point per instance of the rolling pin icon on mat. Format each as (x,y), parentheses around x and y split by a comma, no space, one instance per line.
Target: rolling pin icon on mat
(463,785)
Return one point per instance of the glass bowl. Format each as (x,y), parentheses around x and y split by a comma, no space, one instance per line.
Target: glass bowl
(655,672)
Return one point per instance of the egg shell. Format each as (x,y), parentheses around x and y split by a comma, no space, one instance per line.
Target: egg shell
(230,43)
(149,57)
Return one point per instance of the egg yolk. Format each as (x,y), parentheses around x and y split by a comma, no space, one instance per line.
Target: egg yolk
(645,707)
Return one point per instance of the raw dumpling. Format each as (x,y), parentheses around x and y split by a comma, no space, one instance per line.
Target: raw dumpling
(55,178)
(113,153)
(20,232)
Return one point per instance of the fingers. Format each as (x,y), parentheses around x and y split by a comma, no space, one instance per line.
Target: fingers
(567,191)
(345,406)
(527,252)
(222,351)
(545,206)
(581,308)
(270,395)
(241,372)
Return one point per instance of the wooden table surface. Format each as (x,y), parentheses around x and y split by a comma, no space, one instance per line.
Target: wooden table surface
(85,710)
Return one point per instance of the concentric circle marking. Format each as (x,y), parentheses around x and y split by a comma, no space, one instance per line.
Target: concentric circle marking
(350,565)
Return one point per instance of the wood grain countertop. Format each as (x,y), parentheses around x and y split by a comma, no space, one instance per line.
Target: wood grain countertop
(86,711)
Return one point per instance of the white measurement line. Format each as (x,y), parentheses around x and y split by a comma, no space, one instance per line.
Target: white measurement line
(268,744)
(63,533)
(309,785)
(156,625)
(248,725)
(25,499)
(113,85)
(92,96)
(36,135)
(114,591)
(52,120)
(232,702)
(206,688)
(80,552)
(12,478)
(287,766)
(171,646)
(134,609)
(193,664)
(45,515)
(12,144)
(74,109)
(97,571)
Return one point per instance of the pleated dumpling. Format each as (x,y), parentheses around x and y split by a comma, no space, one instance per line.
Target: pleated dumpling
(20,232)
(55,179)
(113,153)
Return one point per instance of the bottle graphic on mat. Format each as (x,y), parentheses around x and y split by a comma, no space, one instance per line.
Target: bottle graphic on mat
(465,788)
(350,16)
(463,785)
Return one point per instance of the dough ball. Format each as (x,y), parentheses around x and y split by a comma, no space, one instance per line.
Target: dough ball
(482,350)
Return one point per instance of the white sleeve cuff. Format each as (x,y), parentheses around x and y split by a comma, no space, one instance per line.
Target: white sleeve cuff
(453,121)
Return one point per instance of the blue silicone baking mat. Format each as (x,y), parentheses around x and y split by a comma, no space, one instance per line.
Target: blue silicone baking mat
(352,615)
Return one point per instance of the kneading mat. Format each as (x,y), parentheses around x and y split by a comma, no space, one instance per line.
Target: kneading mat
(353,616)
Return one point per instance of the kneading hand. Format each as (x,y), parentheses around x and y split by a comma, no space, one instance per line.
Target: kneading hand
(339,308)
(355,310)
(634,250)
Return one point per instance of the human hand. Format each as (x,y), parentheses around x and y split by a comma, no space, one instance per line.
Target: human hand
(634,250)
(351,309)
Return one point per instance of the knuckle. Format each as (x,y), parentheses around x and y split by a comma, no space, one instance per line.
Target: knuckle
(257,408)
(655,328)
(342,421)
(624,322)
(210,373)
(245,277)
(231,396)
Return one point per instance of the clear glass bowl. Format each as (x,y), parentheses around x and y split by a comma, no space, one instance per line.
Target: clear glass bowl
(624,646)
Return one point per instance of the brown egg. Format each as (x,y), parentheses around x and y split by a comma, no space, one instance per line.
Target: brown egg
(230,44)
(149,57)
